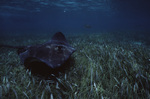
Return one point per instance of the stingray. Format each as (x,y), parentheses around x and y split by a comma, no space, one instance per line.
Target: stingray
(45,57)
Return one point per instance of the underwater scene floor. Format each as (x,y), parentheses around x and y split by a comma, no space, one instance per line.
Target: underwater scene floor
(104,66)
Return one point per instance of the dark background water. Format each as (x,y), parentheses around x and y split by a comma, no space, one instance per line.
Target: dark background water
(42,16)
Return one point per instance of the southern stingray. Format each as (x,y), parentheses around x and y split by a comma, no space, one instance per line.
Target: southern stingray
(45,58)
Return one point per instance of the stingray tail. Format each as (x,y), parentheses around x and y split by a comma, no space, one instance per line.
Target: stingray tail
(20,49)
(10,46)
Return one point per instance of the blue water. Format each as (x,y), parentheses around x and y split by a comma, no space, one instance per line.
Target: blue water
(43,16)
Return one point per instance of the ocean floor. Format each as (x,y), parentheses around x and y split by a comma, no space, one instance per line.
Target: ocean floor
(104,66)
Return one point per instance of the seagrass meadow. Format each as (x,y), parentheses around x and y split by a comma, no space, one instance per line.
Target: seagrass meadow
(104,66)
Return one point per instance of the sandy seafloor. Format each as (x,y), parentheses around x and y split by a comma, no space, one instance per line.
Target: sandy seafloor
(105,65)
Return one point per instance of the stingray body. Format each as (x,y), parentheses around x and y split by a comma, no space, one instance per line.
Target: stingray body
(50,55)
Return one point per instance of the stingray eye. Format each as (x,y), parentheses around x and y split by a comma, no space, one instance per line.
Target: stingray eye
(59,48)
